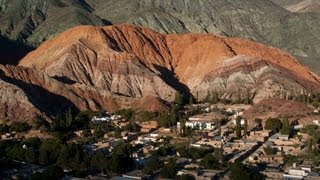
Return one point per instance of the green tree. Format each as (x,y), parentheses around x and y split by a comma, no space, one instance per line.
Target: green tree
(117,133)
(215,97)
(100,162)
(31,155)
(273,124)
(169,170)
(258,121)
(210,162)
(191,100)
(121,160)
(218,124)
(178,99)
(69,118)
(238,127)
(16,152)
(152,165)
(241,172)
(245,128)
(239,98)
(132,127)
(71,156)
(286,128)
(145,116)
(125,113)
(218,154)
(248,99)
(4,128)
(49,151)
(83,119)
(270,150)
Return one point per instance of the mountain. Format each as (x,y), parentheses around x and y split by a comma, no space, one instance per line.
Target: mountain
(263,21)
(300,6)
(27,93)
(124,66)
(34,21)
(259,20)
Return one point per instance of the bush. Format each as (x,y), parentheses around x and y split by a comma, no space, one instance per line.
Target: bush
(132,127)
(125,113)
(270,151)
(19,127)
(145,116)
(4,128)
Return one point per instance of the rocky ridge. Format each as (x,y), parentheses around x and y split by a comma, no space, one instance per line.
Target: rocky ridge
(125,66)
(260,20)
(129,66)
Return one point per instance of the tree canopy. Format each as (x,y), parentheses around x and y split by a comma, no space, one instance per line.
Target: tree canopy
(273,124)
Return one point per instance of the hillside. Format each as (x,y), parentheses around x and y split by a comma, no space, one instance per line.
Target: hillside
(37,20)
(259,20)
(280,108)
(128,66)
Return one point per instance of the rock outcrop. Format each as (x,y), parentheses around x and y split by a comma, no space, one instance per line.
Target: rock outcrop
(133,62)
(263,21)
(259,20)
(106,68)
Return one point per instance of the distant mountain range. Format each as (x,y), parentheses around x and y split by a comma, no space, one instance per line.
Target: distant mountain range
(124,66)
(264,21)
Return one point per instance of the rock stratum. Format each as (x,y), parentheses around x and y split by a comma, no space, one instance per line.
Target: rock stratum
(122,66)
(264,21)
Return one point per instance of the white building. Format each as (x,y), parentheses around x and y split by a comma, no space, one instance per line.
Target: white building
(100,119)
(242,122)
(297,173)
(201,125)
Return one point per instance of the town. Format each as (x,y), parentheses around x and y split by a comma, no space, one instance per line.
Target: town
(195,141)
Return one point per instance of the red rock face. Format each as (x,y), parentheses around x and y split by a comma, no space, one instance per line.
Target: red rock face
(123,65)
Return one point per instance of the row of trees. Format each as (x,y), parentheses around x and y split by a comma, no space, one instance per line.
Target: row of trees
(241,97)
(309,97)
(69,156)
